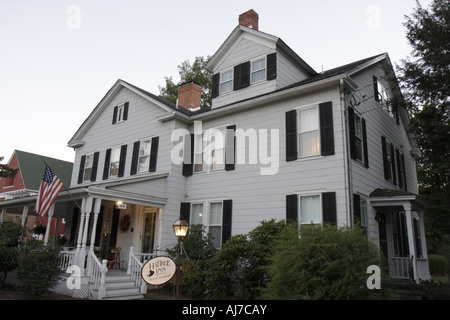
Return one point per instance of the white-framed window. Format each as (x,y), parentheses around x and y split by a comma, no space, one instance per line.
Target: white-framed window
(144,155)
(258,70)
(196,216)
(198,153)
(120,113)
(88,166)
(363,210)
(359,138)
(226,81)
(215,223)
(310,209)
(308,132)
(114,162)
(209,150)
(383,97)
(389,160)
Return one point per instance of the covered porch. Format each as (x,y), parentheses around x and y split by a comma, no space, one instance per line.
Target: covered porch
(401,231)
(110,234)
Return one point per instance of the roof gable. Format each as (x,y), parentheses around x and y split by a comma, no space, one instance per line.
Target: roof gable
(167,106)
(32,167)
(271,42)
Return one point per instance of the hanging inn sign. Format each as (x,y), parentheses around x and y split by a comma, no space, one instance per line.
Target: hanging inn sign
(158,270)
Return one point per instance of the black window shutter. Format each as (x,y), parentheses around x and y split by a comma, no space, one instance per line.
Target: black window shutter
(230,148)
(226,220)
(215,85)
(394,174)
(351,126)
(356,209)
(153,154)
(329,208)
(106,166)
(188,164)
(375,89)
(399,168)
(81,171)
(185,211)
(292,208)
(114,119)
(95,166)
(241,77)
(364,136)
(404,173)
(385,160)
(125,111)
(122,159)
(271,66)
(291,135)
(135,158)
(326,129)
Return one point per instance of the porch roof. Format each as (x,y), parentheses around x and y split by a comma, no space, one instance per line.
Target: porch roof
(396,198)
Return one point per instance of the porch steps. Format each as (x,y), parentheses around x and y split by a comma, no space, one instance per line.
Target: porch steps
(119,286)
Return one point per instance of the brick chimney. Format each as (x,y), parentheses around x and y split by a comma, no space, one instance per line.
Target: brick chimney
(189,95)
(249,19)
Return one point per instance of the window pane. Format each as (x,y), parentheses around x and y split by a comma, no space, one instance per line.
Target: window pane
(363,206)
(309,143)
(226,81)
(144,163)
(216,236)
(309,119)
(215,213)
(197,214)
(310,210)
(259,76)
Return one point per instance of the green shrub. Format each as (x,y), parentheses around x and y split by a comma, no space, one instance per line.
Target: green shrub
(325,263)
(444,250)
(11,235)
(238,269)
(438,264)
(38,269)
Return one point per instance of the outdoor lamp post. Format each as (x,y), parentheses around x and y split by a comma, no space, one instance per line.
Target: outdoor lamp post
(180,228)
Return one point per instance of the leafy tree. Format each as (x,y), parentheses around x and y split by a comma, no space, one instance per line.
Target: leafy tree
(6,171)
(325,263)
(11,235)
(424,79)
(196,72)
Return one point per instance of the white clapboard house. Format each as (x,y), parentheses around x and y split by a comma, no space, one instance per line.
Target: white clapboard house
(280,141)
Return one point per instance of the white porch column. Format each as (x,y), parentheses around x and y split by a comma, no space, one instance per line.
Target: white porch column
(80,229)
(49,223)
(3,215)
(410,230)
(97,205)
(24,215)
(87,212)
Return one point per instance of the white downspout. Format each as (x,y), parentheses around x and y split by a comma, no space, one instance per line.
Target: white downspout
(347,164)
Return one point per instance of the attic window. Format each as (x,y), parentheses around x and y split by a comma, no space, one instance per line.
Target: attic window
(120,113)
(226,81)
(258,72)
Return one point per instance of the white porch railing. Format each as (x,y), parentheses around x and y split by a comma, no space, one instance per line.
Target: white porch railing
(97,272)
(135,263)
(67,258)
(401,267)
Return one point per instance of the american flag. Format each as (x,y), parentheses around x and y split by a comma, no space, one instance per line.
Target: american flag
(49,189)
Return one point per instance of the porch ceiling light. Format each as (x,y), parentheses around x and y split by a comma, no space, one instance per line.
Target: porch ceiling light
(180,228)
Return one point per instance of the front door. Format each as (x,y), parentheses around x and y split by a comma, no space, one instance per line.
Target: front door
(148,238)
(110,224)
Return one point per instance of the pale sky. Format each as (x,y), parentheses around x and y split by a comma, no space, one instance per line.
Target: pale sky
(59,58)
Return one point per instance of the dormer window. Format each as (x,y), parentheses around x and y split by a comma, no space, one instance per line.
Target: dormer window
(258,72)
(226,81)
